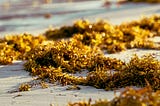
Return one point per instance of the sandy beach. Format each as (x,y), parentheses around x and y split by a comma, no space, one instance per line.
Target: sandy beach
(11,76)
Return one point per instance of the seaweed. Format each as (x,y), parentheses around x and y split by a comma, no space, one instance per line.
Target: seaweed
(136,72)
(15,47)
(101,35)
(58,60)
(112,38)
(104,72)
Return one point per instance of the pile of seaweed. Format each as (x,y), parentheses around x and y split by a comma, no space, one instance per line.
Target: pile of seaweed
(59,63)
(112,38)
(56,56)
(15,47)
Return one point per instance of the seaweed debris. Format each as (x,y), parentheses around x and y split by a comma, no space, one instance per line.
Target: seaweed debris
(15,47)
(59,63)
(58,60)
(112,38)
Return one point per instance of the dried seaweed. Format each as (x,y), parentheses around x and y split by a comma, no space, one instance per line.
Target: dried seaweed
(106,73)
(112,38)
(24,87)
(15,47)
(57,61)
(136,72)
(100,35)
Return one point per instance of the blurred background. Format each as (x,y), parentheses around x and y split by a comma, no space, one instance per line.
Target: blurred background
(36,15)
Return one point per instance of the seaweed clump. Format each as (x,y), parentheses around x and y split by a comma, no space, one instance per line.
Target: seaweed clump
(136,73)
(129,97)
(71,56)
(7,55)
(67,31)
(15,47)
(60,60)
(57,61)
(112,38)
(24,87)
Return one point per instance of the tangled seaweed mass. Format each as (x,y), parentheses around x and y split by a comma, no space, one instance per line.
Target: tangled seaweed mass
(15,47)
(59,53)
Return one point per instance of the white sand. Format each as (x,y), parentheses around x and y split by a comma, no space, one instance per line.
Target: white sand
(13,75)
